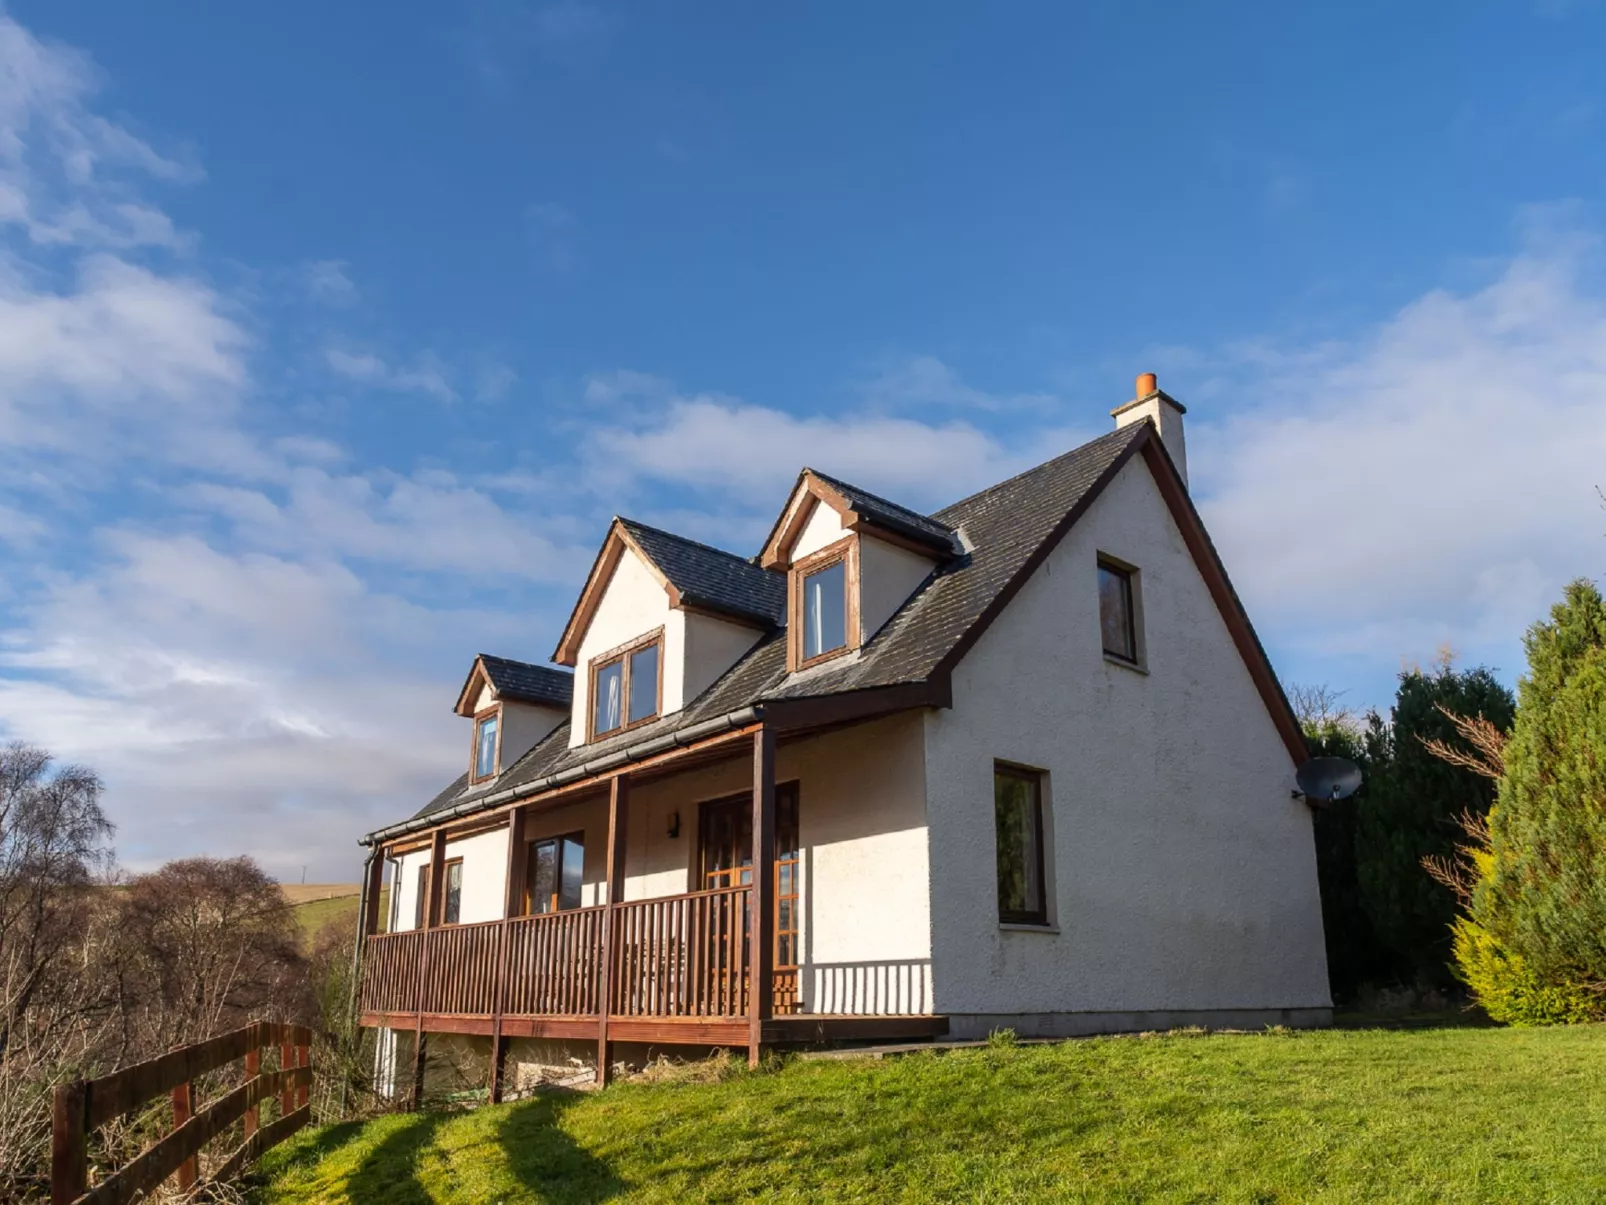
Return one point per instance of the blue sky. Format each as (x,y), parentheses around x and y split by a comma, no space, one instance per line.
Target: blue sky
(330,336)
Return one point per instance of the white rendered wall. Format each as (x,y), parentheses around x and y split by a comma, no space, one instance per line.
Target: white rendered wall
(1183,875)
(523,726)
(711,646)
(484,870)
(888,575)
(633,603)
(822,527)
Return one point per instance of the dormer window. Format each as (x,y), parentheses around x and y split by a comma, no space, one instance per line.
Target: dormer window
(824,604)
(487,745)
(626,686)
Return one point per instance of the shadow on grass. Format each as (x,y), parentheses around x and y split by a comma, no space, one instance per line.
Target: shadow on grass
(388,1174)
(543,1158)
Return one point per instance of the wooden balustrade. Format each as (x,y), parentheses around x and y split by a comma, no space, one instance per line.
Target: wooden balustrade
(682,955)
(461,977)
(552,962)
(676,956)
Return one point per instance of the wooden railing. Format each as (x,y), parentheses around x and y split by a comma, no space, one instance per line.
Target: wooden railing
(552,963)
(681,955)
(677,956)
(84,1105)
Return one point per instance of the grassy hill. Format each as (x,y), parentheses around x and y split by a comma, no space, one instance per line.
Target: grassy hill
(1441,1115)
(319,904)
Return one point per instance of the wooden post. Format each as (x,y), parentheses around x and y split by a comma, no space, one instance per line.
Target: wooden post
(183,1108)
(418,1064)
(437,880)
(304,1092)
(512,905)
(761,938)
(253,1068)
(69,1144)
(287,1094)
(376,881)
(618,826)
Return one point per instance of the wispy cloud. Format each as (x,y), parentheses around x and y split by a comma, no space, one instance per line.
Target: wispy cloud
(553,234)
(427,375)
(327,281)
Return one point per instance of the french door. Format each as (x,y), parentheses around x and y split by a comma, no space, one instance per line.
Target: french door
(725,859)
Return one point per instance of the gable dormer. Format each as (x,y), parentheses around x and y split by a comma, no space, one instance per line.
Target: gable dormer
(851,559)
(513,705)
(660,618)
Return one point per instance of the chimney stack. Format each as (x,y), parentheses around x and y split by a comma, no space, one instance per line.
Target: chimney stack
(1164,411)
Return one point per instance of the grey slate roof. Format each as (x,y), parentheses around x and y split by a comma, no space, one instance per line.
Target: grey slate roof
(530,683)
(925,528)
(1001,529)
(712,578)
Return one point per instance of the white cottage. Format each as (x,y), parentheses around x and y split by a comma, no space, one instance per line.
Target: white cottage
(1021,762)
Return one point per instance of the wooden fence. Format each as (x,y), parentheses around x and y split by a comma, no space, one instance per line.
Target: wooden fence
(82,1106)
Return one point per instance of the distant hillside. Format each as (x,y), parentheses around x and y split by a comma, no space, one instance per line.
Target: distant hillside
(318,905)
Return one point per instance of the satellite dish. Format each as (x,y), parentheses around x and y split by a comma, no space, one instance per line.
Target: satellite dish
(1324,780)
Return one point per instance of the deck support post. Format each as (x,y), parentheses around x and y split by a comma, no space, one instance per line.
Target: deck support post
(434,898)
(512,905)
(761,935)
(618,822)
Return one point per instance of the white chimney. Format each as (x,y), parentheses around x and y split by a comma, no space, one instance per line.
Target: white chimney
(1165,412)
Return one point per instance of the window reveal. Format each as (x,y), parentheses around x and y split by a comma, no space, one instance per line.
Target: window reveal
(1018,820)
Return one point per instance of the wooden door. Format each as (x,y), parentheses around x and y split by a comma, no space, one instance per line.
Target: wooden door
(726,860)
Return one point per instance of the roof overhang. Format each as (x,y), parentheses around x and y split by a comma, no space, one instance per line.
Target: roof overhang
(811,491)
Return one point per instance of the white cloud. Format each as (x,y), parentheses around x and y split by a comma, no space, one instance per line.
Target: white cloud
(427,376)
(1432,482)
(328,281)
(922,381)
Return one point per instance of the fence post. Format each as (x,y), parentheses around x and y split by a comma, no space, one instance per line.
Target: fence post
(69,1144)
(253,1068)
(183,1107)
(304,1059)
(287,1059)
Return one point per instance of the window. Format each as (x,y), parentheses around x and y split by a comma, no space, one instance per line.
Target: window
(1018,818)
(625,686)
(486,746)
(421,896)
(825,610)
(554,873)
(1117,612)
(452,906)
(824,615)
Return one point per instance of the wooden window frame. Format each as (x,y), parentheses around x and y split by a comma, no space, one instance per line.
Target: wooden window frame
(1038,918)
(845,550)
(601,662)
(474,776)
(579,838)
(1134,612)
(446,882)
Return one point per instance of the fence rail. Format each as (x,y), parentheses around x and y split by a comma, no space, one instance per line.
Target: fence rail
(83,1105)
(681,955)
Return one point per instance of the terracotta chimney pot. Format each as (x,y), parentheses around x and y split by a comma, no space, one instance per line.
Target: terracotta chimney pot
(1147,383)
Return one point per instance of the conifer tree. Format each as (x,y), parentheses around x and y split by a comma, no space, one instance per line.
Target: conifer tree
(1544,896)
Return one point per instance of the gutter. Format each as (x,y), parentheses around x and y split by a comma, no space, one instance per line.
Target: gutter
(613,761)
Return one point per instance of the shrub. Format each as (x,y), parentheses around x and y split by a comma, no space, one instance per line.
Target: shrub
(1510,991)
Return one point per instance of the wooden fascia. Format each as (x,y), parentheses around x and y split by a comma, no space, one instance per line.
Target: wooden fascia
(476,675)
(808,493)
(613,549)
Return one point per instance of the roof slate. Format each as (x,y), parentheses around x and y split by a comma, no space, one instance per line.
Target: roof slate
(999,531)
(711,577)
(530,683)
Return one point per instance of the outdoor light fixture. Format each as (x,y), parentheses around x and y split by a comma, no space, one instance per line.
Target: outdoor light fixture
(674,824)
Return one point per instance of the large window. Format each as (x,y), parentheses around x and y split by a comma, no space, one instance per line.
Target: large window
(452,905)
(626,686)
(824,611)
(1018,818)
(554,873)
(486,746)
(1118,611)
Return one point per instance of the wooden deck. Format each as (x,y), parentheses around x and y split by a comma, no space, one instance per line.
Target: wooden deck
(678,972)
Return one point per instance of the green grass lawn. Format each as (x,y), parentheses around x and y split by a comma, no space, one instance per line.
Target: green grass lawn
(1437,1115)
